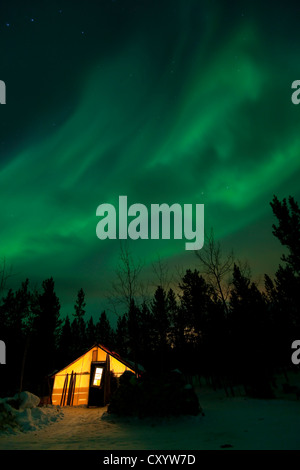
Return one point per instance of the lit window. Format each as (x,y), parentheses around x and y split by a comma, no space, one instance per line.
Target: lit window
(97,376)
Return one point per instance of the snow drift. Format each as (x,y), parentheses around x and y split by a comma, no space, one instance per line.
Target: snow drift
(232,423)
(22,413)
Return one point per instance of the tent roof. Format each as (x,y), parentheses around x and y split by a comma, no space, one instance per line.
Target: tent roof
(126,363)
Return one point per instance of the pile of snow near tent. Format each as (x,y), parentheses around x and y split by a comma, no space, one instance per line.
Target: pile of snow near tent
(22,413)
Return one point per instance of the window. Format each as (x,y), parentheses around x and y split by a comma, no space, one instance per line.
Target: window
(97,376)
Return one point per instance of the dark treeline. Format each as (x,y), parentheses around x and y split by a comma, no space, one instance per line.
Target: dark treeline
(230,333)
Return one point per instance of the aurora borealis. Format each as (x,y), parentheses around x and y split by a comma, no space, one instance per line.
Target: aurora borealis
(171,101)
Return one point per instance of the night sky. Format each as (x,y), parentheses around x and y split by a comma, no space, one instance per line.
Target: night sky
(168,101)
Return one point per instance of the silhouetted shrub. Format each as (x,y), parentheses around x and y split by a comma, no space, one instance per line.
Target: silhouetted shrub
(154,395)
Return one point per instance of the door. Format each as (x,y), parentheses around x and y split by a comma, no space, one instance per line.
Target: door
(97,377)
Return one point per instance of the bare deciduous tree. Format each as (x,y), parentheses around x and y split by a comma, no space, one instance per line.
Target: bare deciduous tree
(216,266)
(161,272)
(127,286)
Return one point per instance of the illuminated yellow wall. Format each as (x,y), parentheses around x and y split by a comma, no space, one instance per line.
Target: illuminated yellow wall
(82,368)
(117,367)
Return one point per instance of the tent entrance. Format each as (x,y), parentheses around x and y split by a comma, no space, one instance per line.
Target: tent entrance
(97,379)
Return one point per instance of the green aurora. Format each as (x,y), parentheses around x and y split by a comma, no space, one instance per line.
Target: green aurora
(172,101)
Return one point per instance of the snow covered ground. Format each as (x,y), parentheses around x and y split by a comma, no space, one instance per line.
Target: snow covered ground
(229,423)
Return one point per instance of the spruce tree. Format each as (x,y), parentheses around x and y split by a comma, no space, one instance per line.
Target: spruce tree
(161,326)
(104,331)
(250,340)
(47,324)
(78,326)
(66,350)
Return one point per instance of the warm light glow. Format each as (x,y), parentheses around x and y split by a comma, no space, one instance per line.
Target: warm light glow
(97,376)
(82,368)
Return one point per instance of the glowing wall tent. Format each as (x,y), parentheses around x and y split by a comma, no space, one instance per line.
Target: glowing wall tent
(85,381)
